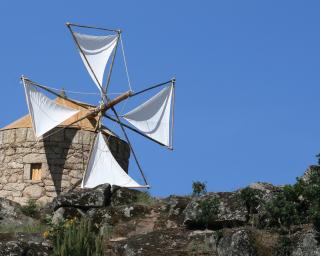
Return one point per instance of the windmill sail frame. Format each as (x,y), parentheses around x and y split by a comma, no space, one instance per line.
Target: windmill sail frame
(110,104)
(103,91)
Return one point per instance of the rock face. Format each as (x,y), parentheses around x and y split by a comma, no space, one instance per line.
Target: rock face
(84,198)
(10,214)
(236,244)
(62,157)
(231,211)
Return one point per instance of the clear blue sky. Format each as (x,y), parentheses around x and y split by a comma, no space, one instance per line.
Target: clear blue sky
(248,80)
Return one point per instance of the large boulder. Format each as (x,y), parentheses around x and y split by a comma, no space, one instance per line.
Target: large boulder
(231,211)
(84,198)
(124,196)
(238,243)
(11,214)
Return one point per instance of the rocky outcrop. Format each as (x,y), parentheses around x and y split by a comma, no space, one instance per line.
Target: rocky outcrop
(231,211)
(135,224)
(84,198)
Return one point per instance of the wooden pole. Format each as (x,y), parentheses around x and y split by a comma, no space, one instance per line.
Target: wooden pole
(111,66)
(83,26)
(54,93)
(150,88)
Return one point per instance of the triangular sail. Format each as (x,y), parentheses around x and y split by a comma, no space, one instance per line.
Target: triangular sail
(45,113)
(153,117)
(95,52)
(104,168)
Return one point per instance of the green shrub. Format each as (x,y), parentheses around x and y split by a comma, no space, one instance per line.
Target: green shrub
(251,198)
(30,209)
(283,209)
(78,239)
(209,209)
(198,188)
(146,198)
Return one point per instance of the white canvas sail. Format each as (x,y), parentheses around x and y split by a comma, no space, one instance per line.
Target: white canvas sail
(153,117)
(104,168)
(44,112)
(96,51)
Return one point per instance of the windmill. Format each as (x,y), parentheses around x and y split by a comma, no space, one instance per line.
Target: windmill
(153,119)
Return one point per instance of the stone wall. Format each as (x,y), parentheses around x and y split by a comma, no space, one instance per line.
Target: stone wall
(63,157)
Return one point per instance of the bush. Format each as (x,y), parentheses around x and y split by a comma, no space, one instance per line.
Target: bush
(198,188)
(30,209)
(78,239)
(209,209)
(251,198)
(283,209)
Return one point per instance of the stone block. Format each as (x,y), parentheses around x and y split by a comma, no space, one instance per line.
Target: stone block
(26,172)
(10,151)
(35,158)
(51,194)
(30,135)
(42,201)
(33,191)
(9,136)
(87,138)
(15,165)
(14,186)
(21,134)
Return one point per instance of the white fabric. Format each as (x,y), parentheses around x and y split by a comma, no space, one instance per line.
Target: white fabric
(97,50)
(45,113)
(153,116)
(104,168)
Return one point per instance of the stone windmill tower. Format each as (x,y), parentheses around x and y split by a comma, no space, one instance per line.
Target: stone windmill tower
(63,142)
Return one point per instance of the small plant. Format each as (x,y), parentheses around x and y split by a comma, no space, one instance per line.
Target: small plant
(146,198)
(30,209)
(209,209)
(78,239)
(199,188)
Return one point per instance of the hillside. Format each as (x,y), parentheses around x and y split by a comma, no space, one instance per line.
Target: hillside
(261,219)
